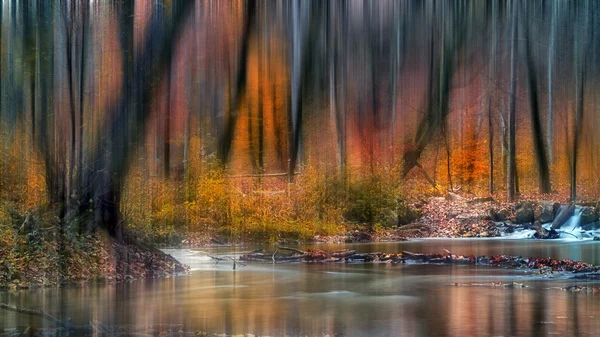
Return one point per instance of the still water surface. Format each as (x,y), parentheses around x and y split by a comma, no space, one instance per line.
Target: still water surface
(343,299)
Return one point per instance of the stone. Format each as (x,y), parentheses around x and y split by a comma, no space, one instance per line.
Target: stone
(498,216)
(588,215)
(453,197)
(545,211)
(524,212)
(591,226)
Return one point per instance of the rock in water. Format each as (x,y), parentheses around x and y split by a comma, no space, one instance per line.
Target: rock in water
(563,216)
(588,215)
(546,211)
(542,233)
(524,212)
(591,226)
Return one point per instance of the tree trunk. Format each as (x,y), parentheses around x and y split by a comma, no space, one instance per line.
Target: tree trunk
(580,67)
(551,52)
(112,153)
(491,73)
(441,73)
(226,139)
(536,123)
(512,164)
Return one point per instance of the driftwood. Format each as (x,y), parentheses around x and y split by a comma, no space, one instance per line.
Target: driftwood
(35,312)
(94,328)
(542,233)
(291,249)
(226,258)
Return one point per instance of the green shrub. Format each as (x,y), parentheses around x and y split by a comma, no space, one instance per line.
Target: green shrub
(371,201)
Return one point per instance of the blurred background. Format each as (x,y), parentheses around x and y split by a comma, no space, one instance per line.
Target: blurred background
(179,114)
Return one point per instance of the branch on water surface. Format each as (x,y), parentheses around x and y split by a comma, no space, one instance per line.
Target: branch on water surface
(291,249)
(540,265)
(219,259)
(34,312)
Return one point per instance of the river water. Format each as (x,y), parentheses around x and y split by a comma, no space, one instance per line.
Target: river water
(343,299)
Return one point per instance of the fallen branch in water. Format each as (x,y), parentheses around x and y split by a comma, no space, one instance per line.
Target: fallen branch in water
(542,265)
(34,312)
(226,258)
(291,249)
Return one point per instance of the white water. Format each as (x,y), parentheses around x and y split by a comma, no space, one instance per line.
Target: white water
(570,231)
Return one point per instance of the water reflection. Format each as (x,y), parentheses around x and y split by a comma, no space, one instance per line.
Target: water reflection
(348,300)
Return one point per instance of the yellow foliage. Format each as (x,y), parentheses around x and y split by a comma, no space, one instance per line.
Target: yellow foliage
(22,180)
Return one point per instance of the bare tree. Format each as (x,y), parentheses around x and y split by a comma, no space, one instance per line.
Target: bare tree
(512,128)
(112,153)
(581,42)
(551,55)
(536,123)
(451,34)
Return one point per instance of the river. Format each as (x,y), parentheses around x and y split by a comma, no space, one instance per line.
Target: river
(342,299)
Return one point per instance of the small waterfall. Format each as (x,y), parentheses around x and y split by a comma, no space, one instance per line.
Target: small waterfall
(571,230)
(574,222)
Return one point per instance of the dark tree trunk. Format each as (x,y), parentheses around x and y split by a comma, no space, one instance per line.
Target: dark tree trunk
(84,30)
(226,139)
(536,123)
(512,128)
(127,126)
(441,73)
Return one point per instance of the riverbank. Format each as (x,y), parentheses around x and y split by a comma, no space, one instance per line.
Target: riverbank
(35,252)
(32,255)
(302,294)
(453,216)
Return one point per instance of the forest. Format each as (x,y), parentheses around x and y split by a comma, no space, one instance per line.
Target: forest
(128,128)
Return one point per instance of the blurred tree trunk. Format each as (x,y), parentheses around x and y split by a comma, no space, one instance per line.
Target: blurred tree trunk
(536,123)
(441,72)
(512,128)
(127,126)
(551,53)
(69,18)
(581,40)
(226,138)
(85,22)
(490,89)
